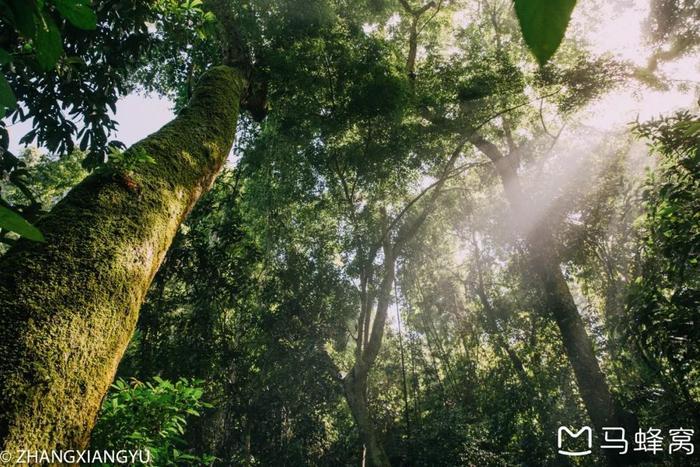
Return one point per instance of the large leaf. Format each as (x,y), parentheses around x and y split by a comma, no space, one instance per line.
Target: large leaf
(544,23)
(25,17)
(10,220)
(78,12)
(48,43)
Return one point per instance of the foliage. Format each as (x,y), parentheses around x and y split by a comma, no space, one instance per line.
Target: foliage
(37,183)
(152,416)
(100,66)
(253,329)
(263,283)
(34,22)
(666,292)
(40,41)
(259,298)
(128,161)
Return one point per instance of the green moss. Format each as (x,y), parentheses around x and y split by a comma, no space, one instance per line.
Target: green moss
(69,307)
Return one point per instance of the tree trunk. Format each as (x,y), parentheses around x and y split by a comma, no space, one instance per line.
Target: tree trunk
(355,388)
(559,302)
(600,403)
(69,306)
(543,262)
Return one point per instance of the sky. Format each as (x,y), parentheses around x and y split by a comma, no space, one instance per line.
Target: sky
(613,27)
(138,115)
(617,28)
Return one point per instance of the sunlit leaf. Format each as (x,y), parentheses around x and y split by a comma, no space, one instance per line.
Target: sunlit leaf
(544,23)
(690,129)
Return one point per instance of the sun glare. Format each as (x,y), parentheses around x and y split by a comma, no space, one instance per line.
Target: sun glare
(614,28)
(620,34)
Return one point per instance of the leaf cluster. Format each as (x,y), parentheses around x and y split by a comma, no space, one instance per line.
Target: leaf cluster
(152,416)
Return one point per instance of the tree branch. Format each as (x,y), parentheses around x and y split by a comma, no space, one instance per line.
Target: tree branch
(489,149)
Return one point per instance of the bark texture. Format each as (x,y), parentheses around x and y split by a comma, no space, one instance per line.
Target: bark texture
(68,307)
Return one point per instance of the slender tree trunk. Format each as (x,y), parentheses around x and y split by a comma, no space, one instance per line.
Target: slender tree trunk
(403,366)
(558,301)
(601,405)
(355,388)
(355,381)
(68,307)
(369,339)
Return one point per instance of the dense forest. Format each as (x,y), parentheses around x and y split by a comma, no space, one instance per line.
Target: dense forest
(376,232)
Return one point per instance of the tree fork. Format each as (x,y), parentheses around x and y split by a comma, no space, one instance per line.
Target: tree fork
(68,307)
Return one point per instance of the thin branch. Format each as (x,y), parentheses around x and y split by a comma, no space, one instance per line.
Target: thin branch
(437,10)
(413,34)
(512,148)
(544,126)
(418,11)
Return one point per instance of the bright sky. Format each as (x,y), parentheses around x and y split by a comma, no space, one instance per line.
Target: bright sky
(138,116)
(617,28)
(614,27)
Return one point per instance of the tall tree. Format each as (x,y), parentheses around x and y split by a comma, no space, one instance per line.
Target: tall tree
(70,304)
(376,286)
(67,344)
(367,171)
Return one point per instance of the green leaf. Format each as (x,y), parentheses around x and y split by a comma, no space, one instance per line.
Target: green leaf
(78,12)
(544,23)
(25,14)
(10,220)
(690,129)
(5,57)
(7,97)
(48,43)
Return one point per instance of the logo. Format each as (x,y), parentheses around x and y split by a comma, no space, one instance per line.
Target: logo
(589,440)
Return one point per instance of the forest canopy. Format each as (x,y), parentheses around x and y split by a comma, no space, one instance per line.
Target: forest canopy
(374,232)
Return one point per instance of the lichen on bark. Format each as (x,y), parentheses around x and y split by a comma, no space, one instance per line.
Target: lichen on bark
(68,307)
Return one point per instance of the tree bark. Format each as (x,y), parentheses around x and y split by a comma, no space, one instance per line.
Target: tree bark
(69,306)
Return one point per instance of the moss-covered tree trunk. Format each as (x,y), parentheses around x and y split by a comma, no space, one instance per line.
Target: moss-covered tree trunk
(68,307)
